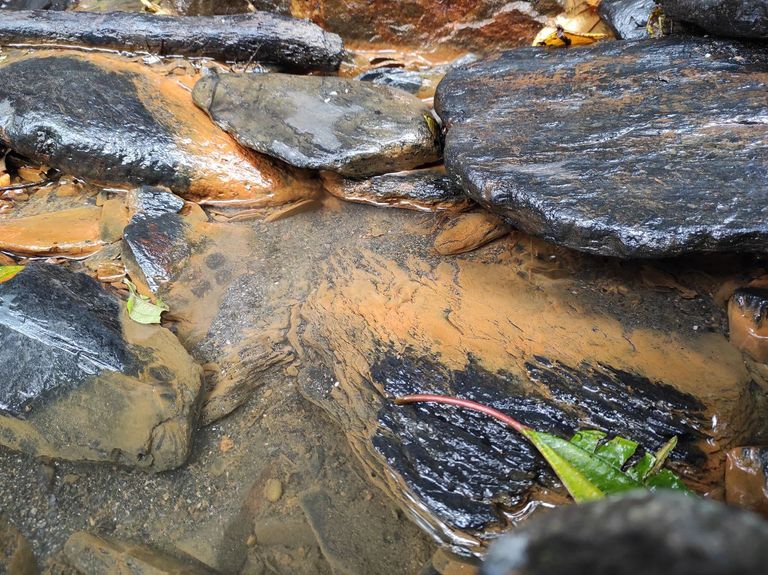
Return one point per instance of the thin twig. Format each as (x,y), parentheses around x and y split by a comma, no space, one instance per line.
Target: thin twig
(465,403)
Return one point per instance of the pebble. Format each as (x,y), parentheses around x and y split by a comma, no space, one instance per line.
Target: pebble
(273,490)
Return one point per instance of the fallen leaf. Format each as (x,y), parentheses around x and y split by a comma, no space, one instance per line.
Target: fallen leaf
(140,308)
(7,272)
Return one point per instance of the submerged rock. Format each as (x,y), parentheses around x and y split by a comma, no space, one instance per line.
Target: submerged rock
(469,232)
(747,325)
(746,478)
(425,190)
(627,18)
(80,381)
(324,123)
(151,201)
(736,18)
(261,37)
(617,149)
(16,557)
(640,533)
(93,555)
(35,4)
(131,126)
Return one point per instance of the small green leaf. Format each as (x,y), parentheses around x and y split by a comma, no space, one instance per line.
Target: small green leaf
(7,272)
(588,439)
(140,308)
(665,479)
(617,451)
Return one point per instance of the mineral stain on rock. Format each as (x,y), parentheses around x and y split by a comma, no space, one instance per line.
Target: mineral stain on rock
(131,126)
(643,149)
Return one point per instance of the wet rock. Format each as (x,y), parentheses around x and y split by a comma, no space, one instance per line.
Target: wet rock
(484,24)
(94,555)
(746,478)
(262,37)
(35,4)
(406,80)
(610,161)
(627,18)
(149,202)
(747,326)
(638,534)
(735,18)
(469,232)
(133,126)
(213,7)
(73,232)
(16,557)
(325,123)
(425,190)
(385,319)
(82,382)
(156,248)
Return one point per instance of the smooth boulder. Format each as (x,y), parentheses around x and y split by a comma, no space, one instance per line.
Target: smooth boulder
(322,123)
(258,37)
(118,122)
(81,381)
(640,533)
(733,18)
(643,149)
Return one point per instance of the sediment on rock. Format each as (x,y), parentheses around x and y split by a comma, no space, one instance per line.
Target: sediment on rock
(258,37)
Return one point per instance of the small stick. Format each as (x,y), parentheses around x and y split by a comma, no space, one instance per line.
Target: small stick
(465,403)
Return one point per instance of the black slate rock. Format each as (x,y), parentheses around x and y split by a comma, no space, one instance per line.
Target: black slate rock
(152,201)
(258,37)
(734,18)
(59,320)
(406,80)
(640,533)
(35,4)
(641,149)
(627,18)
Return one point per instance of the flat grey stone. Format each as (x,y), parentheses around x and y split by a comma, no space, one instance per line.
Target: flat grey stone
(643,149)
(326,123)
(627,18)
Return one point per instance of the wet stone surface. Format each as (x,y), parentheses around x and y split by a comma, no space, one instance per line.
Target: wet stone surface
(736,18)
(625,163)
(746,478)
(637,534)
(133,126)
(326,123)
(35,4)
(406,80)
(747,315)
(150,202)
(627,18)
(83,384)
(425,190)
(16,557)
(261,37)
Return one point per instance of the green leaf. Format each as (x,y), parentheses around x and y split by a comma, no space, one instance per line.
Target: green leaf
(588,439)
(140,308)
(7,272)
(640,470)
(617,451)
(665,479)
(585,475)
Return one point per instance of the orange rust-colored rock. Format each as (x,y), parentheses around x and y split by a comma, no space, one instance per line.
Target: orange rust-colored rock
(746,478)
(74,232)
(469,232)
(747,311)
(471,24)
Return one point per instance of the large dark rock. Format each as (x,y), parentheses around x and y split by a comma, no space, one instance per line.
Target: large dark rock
(324,123)
(735,18)
(627,18)
(640,533)
(131,126)
(80,381)
(646,149)
(259,37)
